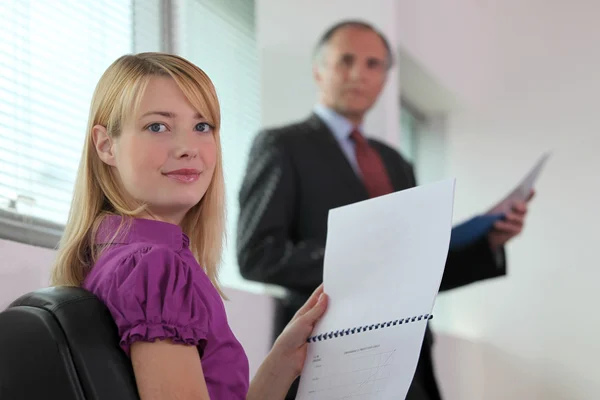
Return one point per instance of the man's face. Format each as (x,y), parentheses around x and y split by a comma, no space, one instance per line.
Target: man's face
(351,71)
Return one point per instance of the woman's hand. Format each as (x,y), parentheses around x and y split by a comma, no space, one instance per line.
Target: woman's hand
(291,345)
(285,360)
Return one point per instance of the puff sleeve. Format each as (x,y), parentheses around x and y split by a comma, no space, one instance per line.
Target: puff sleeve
(154,295)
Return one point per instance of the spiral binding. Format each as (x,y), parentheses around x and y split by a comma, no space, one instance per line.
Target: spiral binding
(351,331)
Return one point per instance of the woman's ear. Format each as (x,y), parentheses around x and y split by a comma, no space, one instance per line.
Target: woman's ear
(103,144)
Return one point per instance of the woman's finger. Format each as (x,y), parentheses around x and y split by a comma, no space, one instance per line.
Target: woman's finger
(316,312)
(310,303)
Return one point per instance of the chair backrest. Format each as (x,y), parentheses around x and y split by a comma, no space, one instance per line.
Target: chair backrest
(62,343)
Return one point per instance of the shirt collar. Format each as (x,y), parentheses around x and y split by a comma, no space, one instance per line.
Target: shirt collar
(140,230)
(339,125)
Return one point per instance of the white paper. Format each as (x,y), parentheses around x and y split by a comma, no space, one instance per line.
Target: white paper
(384,261)
(523,189)
(377,365)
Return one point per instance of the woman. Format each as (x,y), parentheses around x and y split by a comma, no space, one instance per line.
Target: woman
(145,234)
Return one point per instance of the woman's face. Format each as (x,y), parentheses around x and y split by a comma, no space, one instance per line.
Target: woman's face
(166,154)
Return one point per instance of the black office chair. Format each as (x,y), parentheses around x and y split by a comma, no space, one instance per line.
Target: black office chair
(62,343)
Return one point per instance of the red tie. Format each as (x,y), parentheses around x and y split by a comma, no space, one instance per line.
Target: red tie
(373,171)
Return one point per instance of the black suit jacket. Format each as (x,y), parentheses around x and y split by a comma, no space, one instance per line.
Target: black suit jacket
(295,175)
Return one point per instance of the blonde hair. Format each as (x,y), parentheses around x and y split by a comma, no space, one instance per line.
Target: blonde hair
(97,191)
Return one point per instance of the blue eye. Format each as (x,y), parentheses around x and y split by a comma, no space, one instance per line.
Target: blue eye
(204,127)
(156,127)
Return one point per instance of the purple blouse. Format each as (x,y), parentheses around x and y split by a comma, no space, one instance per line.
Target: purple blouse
(155,289)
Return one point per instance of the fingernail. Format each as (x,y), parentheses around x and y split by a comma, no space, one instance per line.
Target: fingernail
(320,298)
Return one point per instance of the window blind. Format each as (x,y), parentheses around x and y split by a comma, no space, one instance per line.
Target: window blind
(219,36)
(52,54)
(147,25)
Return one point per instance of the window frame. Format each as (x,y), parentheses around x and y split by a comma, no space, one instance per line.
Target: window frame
(29,230)
(418,121)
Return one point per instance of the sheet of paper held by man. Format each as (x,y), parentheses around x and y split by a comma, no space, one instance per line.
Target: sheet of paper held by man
(384,262)
(523,189)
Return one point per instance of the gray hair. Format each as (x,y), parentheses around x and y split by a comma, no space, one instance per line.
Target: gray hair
(324,40)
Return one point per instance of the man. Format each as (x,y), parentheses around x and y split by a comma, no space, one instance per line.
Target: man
(297,173)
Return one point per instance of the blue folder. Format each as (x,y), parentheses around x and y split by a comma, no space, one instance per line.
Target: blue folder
(472,230)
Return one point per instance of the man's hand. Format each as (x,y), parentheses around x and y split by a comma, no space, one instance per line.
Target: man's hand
(510,226)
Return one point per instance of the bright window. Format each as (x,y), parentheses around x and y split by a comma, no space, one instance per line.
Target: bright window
(52,53)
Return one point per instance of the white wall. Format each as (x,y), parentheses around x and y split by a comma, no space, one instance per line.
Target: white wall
(527,75)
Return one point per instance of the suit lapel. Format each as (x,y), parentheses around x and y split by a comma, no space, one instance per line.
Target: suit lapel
(399,173)
(332,154)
